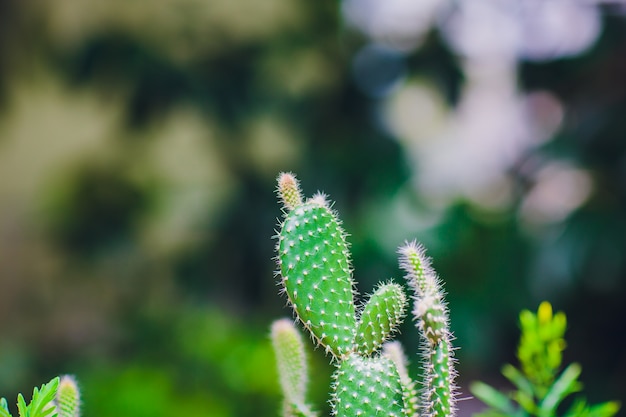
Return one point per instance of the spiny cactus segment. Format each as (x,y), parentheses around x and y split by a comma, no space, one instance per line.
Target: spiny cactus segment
(430,311)
(315,267)
(68,397)
(381,316)
(367,387)
(431,315)
(315,270)
(292,367)
(289,190)
(439,381)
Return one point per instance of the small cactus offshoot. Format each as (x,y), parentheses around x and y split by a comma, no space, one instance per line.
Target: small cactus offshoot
(371,377)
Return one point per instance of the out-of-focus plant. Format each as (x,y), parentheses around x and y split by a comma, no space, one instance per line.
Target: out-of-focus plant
(58,398)
(541,386)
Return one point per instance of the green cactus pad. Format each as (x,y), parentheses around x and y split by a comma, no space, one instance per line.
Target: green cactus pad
(381,316)
(315,267)
(367,387)
(439,386)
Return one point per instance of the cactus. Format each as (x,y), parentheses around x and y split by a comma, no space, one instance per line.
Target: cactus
(67,399)
(431,315)
(371,377)
(367,387)
(292,367)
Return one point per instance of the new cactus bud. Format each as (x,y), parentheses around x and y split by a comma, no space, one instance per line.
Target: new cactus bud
(431,317)
(314,263)
(289,190)
(367,387)
(416,264)
(381,316)
(68,397)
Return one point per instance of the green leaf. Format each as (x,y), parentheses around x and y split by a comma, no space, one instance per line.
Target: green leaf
(492,397)
(566,384)
(580,408)
(21,406)
(607,409)
(527,402)
(518,379)
(41,398)
(4,408)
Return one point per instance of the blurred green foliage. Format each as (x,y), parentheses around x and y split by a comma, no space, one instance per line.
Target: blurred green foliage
(38,405)
(139,144)
(203,362)
(541,383)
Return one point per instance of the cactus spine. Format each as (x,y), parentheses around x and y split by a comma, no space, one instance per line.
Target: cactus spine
(316,275)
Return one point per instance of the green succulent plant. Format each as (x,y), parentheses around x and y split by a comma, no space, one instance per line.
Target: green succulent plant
(371,377)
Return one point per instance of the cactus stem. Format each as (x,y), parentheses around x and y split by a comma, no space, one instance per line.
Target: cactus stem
(431,316)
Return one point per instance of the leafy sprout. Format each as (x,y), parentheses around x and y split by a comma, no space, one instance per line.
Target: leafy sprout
(41,403)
